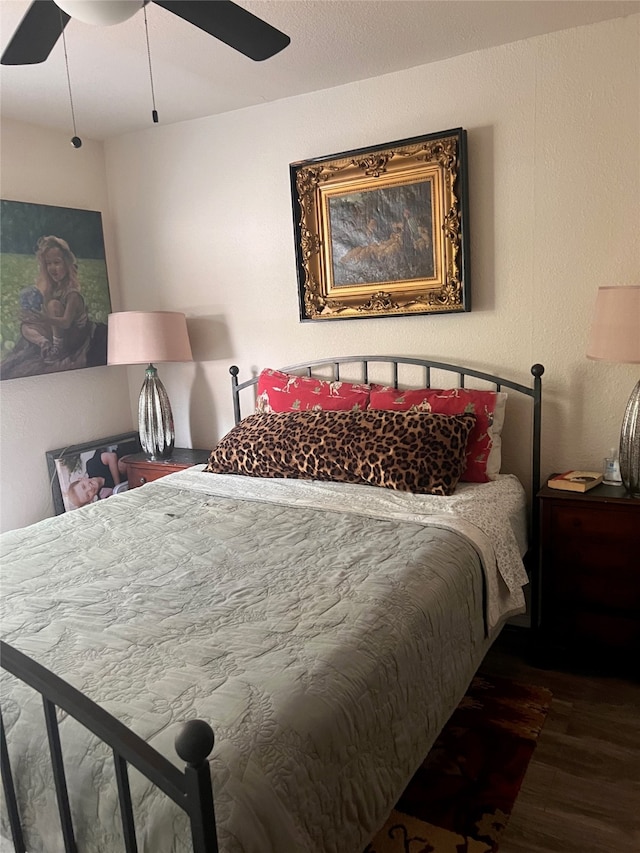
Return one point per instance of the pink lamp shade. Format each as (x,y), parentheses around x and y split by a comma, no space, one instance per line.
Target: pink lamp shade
(615,332)
(145,337)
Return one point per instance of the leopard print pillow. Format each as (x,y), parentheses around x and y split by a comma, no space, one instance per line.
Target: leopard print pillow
(417,452)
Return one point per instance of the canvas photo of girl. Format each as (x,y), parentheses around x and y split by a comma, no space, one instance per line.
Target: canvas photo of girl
(54,307)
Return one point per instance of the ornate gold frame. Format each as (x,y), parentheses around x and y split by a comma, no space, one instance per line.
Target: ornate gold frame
(409,262)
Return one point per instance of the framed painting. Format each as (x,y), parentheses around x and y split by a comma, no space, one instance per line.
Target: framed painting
(54,289)
(84,473)
(383,231)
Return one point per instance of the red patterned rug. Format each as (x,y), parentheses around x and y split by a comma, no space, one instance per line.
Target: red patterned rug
(460,799)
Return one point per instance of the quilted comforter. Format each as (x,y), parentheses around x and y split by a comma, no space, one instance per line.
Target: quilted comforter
(325,631)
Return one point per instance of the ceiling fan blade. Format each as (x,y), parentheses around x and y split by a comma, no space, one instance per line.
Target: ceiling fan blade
(36,35)
(231,24)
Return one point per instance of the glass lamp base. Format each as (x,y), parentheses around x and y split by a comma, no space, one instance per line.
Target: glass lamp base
(630,444)
(155,418)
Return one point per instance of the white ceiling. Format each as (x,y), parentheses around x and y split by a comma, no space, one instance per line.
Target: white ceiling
(332,42)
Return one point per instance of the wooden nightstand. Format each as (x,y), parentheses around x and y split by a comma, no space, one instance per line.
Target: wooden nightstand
(141,469)
(590,575)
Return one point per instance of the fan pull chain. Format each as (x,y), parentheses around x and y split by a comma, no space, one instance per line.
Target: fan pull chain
(154,112)
(75,141)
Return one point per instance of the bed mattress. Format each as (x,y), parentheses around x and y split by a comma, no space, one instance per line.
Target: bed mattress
(324,631)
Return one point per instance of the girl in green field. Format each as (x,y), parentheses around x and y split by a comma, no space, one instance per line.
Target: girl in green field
(56,332)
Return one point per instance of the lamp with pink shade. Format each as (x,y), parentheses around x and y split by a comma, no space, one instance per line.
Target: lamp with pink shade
(145,337)
(615,336)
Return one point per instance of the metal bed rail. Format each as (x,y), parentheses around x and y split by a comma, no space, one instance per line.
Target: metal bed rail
(190,790)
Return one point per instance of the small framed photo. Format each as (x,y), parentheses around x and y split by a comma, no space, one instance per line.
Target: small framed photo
(81,474)
(383,231)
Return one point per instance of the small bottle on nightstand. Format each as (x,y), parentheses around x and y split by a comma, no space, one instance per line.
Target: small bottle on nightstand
(611,470)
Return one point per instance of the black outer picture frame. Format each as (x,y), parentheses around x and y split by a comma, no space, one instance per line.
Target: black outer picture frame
(71,450)
(428,176)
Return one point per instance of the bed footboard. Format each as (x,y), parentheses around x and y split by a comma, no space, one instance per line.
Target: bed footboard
(191,789)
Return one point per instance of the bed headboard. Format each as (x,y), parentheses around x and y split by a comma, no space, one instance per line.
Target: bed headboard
(362,365)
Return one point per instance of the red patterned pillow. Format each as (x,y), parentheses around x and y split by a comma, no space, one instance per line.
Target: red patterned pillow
(284,392)
(485,444)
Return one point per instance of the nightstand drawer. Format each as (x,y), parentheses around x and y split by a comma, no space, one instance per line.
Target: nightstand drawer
(141,470)
(573,582)
(139,473)
(593,525)
(596,556)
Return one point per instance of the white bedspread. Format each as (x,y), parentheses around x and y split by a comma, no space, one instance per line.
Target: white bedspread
(326,634)
(492,516)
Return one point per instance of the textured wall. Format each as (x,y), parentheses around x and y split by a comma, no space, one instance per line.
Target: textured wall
(202,214)
(41,413)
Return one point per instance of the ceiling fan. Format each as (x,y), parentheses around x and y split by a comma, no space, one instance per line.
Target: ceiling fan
(45,20)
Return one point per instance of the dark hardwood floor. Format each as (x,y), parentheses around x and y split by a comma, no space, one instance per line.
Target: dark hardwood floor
(581,793)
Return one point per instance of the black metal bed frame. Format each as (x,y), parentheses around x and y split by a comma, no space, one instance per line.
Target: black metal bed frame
(191,790)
